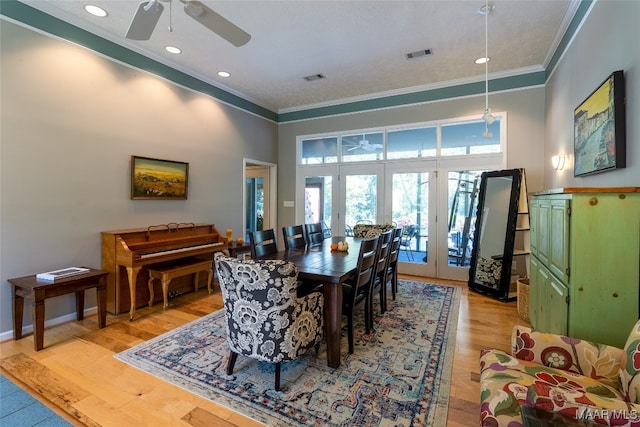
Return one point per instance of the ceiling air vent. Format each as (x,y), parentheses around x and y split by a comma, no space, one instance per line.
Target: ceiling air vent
(418,54)
(314,77)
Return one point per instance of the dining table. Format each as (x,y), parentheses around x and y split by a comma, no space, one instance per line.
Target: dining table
(331,268)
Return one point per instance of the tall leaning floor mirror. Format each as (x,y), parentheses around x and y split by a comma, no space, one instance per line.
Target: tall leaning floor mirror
(494,236)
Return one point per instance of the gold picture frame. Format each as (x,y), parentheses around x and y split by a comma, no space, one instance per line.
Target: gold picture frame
(157,179)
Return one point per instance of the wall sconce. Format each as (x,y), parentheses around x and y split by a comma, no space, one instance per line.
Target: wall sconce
(558,162)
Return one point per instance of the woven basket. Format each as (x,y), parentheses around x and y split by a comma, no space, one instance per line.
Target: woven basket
(523,299)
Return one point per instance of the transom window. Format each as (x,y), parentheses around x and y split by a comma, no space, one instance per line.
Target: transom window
(452,138)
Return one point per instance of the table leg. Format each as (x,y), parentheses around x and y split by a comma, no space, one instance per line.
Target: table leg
(38,324)
(101,297)
(79,305)
(18,310)
(333,321)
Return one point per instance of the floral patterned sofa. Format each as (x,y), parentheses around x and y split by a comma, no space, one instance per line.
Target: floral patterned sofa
(580,382)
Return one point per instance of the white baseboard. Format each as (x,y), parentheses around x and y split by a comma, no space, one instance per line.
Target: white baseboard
(27,329)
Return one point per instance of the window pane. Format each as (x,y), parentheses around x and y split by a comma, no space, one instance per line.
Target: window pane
(467,138)
(411,143)
(317,200)
(360,199)
(410,211)
(318,151)
(362,147)
(463,202)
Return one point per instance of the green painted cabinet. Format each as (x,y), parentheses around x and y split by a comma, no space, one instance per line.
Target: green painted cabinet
(585,264)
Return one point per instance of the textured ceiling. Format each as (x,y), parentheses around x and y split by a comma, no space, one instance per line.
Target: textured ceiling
(359,46)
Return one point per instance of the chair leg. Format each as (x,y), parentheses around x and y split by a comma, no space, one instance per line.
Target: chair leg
(277,376)
(368,314)
(394,282)
(350,331)
(383,294)
(231,363)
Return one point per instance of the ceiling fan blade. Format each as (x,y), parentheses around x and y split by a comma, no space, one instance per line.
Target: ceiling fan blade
(216,23)
(353,148)
(145,20)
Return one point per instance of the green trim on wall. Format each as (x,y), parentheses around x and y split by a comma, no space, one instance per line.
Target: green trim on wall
(568,35)
(504,83)
(47,23)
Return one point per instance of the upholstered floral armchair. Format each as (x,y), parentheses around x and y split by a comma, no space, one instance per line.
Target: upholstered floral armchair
(266,320)
(368,231)
(561,377)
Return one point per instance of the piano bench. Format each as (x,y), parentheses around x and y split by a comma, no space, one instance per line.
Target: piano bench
(168,272)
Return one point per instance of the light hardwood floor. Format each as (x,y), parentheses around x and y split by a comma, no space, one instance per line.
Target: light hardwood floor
(77,376)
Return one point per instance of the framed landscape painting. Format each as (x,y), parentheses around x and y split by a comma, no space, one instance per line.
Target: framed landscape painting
(158,179)
(599,128)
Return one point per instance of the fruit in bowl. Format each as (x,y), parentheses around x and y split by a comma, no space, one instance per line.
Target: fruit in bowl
(334,246)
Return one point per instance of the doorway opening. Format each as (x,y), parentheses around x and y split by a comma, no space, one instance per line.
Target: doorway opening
(259,196)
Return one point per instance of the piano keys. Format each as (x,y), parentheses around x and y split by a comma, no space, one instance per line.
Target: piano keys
(126,253)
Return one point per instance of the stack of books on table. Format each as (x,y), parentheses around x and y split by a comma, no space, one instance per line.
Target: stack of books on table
(56,275)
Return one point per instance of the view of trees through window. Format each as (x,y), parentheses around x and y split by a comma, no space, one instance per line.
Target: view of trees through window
(409,199)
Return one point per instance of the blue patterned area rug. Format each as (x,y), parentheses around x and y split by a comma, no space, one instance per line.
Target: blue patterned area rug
(399,375)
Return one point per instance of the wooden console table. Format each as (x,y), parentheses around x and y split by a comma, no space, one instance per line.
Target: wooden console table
(29,287)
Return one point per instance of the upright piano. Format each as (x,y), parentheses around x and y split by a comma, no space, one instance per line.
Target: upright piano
(126,252)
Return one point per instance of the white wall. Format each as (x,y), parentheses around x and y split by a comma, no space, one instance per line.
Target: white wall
(606,42)
(69,122)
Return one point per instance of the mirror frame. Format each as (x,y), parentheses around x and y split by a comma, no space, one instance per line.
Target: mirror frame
(502,291)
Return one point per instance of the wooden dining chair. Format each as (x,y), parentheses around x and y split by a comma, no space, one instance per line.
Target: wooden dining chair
(294,237)
(294,240)
(263,243)
(314,234)
(356,290)
(380,279)
(392,267)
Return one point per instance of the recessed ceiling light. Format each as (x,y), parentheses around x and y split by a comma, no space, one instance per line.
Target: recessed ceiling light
(223,74)
(482,60)
(95,10)
(173,49)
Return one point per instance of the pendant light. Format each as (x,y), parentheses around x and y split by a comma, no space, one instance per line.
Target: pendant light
(487,116)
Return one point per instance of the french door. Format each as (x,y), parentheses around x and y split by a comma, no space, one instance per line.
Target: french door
(433,201)
(339,197)
(411,190)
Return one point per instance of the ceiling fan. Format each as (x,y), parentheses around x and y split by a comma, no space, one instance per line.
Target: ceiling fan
(365,145)
(148,13)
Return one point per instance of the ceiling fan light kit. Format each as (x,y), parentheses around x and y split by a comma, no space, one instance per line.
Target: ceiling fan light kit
(487,116)
(148,13)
